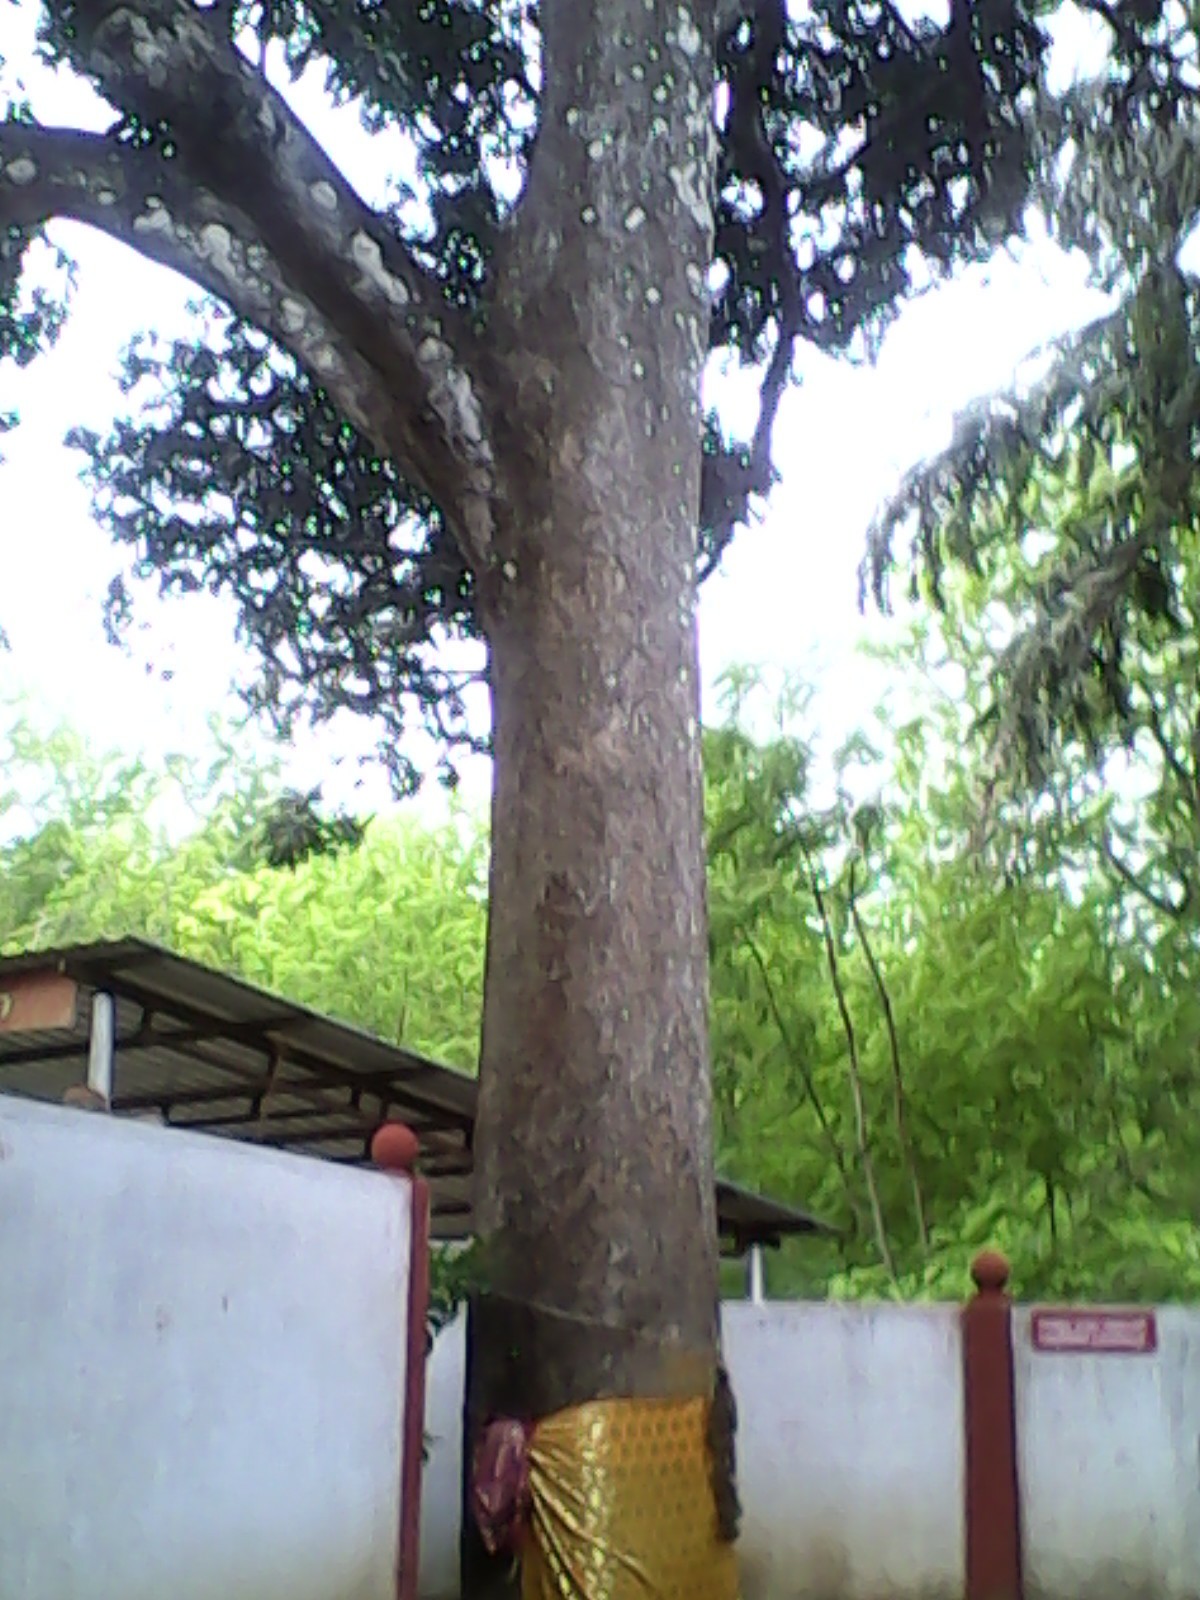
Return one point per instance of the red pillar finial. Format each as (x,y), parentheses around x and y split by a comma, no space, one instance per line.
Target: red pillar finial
(990,1272)
(395,1147)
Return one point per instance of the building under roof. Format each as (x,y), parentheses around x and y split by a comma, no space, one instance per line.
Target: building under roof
(208,1052)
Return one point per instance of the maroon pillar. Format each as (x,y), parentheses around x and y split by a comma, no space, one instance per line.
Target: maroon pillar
(992,1499)
(395,1148)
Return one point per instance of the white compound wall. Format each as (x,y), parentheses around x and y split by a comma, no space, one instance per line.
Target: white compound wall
(1108,1453)
(203,1353)
(850,1452)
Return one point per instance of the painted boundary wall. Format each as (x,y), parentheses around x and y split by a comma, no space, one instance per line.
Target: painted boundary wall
(850,1452)
(850,1449)
(988,1451)
(1108,1453)
(211,1366)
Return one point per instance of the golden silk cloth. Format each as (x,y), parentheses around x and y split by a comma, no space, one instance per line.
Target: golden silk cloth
(622,1506)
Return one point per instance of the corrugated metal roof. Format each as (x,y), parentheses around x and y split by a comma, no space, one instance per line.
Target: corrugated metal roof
(209,1052)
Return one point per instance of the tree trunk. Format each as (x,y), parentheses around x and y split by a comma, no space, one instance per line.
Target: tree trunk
(594,1182)
(594,1108)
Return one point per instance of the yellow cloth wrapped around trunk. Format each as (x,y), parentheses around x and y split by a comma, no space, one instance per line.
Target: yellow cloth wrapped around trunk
(622,1506)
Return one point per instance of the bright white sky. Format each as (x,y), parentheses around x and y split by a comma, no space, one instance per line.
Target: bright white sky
(786,599)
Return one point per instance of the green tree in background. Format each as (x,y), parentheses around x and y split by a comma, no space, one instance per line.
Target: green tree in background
(1019,1063)
(1061,521)
(1057,537)
(940,1046)
(387,935)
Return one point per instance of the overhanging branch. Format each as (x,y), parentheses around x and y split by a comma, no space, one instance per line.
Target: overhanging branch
(243,201)
(146,202)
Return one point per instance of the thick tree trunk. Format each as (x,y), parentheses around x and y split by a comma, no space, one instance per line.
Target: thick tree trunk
(593,1149)
(593,1156)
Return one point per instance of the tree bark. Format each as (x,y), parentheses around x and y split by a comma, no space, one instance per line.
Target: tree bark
(594,1105)
(251,208)
(594,1182)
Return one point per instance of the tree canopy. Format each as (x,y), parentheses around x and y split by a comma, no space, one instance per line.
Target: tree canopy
(859,149)
(383,928)
(1069,503)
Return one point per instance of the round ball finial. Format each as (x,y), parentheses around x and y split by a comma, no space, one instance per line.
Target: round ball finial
(395,1147)
(990,1271)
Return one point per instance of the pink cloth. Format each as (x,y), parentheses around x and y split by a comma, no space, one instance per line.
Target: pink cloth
(500,1484)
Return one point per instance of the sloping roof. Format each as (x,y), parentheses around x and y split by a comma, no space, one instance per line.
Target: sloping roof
(214,1054)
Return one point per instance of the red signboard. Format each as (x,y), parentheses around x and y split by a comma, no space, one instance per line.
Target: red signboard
(1118,1333)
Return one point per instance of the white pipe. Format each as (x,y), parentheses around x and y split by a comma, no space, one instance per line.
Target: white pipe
(756,1275)
(101,1045)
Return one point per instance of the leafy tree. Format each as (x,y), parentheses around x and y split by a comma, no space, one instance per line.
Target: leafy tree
(1044,1043)
(473,412)
(1071,501)
(995,1053)
(294,830)
(177,856)
(1072,1033)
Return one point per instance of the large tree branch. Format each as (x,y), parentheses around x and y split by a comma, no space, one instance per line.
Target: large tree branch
(135,196)
(249,206)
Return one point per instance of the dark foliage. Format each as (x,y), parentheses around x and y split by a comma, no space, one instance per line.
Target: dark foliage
(240,477)
(292,830)
(28,321)
(860,153)
(1073,500)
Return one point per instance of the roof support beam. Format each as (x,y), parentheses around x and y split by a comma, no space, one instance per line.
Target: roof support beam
(394,1086)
